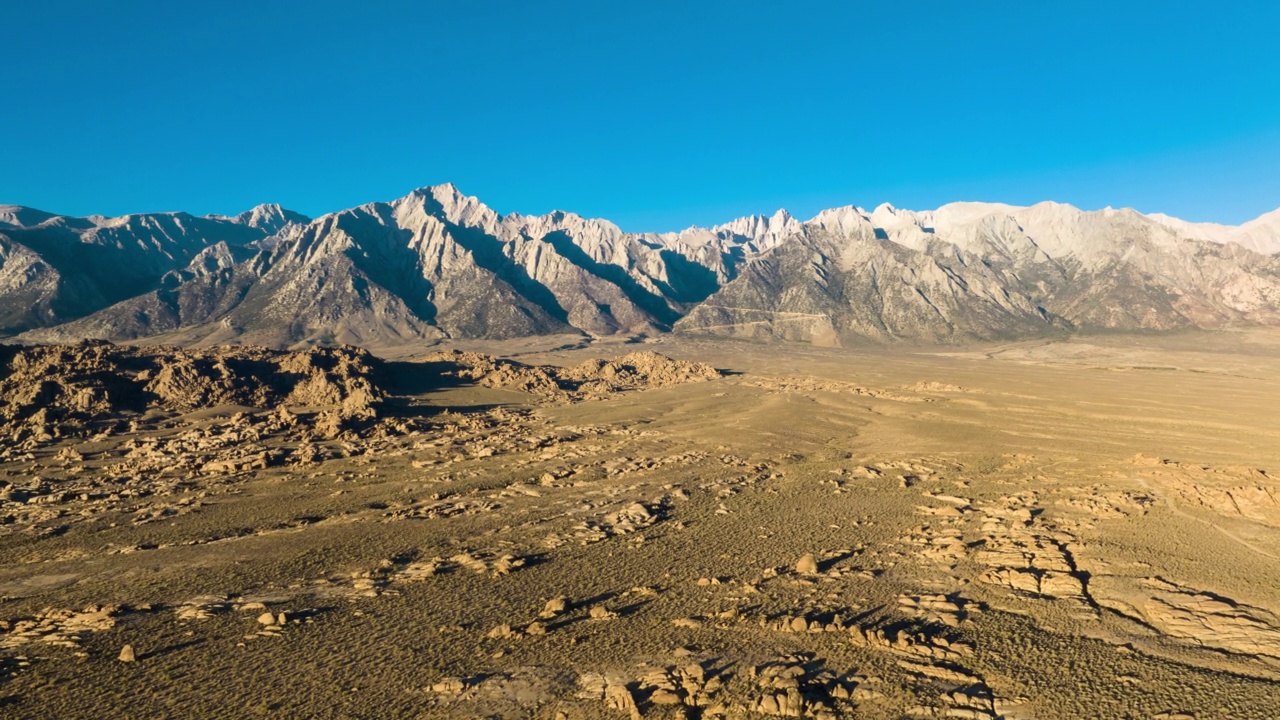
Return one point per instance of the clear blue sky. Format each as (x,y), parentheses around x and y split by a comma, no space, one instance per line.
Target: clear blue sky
(655,114)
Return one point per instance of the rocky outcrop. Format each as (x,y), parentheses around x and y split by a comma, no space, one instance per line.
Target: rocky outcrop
(592,378)
(50,391)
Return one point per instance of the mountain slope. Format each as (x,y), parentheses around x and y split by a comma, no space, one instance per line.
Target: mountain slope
(54,269)
(985,271)
(431,264)
(829,288)
(437,263)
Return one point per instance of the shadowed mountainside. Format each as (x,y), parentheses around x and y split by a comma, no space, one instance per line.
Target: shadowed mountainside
(437,264)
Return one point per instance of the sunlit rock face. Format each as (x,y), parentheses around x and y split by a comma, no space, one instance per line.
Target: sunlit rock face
(439,264)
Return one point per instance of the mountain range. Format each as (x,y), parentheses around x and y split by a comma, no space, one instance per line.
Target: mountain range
(437,264)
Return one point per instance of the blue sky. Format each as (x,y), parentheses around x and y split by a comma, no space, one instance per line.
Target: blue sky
(657,115)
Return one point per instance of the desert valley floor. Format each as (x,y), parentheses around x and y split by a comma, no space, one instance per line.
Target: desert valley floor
(1084,528)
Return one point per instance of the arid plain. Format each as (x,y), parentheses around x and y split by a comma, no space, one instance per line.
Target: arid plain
(1084,528)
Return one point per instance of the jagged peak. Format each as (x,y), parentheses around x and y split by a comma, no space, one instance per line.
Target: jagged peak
(780,217)
(268,217)
(842,214)
(562,220)
(447,201)
(447,194)
(454,205)
(889,217)
(443,193)
(562,216)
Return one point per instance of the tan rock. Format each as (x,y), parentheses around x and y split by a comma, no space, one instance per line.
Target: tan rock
(619,697)
(555,606)
(807,565)
(449,686)
(664,697)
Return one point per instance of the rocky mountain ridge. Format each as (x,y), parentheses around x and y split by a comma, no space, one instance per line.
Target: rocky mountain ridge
(438,264)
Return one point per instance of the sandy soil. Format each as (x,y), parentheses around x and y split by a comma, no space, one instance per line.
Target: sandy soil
(1076,529)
